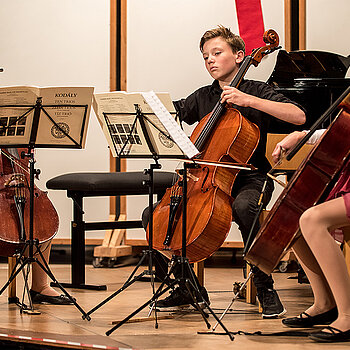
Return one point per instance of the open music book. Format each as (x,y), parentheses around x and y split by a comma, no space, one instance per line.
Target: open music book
(118,115)
(64,109)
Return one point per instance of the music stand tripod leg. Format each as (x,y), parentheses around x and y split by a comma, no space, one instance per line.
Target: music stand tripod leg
(131,279)
(195,293)
(184,259)
(186,281)
(21,263)
(150,252)
(235,297)
(159,292)
(23,307)
(35,242)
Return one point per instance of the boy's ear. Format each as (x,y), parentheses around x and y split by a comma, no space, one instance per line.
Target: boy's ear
(240,56)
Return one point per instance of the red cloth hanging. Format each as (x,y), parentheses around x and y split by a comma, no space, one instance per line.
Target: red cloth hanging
(250,23)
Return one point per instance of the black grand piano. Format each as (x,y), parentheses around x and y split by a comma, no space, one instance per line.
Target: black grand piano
(314,79)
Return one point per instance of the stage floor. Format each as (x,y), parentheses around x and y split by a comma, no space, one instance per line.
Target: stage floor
(63,326)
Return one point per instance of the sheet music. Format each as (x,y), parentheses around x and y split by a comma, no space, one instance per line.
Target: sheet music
(61,110)
(116,112)
(177,134)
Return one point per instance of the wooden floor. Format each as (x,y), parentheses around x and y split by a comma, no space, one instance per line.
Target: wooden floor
(64,323)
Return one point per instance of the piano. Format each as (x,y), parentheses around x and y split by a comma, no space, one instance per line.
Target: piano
(314,79)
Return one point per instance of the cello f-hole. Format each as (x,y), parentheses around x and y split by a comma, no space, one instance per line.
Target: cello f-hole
(203,190)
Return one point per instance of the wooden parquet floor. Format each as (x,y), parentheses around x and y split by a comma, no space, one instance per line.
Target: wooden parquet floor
(65,324)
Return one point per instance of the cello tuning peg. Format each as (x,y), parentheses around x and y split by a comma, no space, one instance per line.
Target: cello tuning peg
(37,173)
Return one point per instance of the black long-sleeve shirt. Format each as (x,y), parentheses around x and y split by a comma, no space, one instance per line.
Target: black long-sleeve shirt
(201,102)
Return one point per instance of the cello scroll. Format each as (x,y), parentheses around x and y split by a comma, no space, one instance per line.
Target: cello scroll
(271,38)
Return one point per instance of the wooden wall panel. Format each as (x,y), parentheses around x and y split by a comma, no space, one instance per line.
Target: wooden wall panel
(118,43)
(295,24)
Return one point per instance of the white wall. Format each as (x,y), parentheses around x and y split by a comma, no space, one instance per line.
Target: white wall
(328,26)
(66,42)
(60,43)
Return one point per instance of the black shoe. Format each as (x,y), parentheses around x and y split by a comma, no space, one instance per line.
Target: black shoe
(304,320)
(271,303)
(335,335)
(181,298)
(38,298)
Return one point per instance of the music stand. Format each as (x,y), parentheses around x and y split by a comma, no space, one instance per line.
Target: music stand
(131,134)
(187,148)
(29,139)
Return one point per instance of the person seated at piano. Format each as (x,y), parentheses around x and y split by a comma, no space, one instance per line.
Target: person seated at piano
(223,52)
(321,258)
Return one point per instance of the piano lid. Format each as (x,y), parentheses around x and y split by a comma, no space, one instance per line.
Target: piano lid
(307,64)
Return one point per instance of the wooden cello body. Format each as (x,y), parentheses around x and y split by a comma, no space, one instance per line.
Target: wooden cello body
(222,136)
(305,189)
(209,201)
(15,210)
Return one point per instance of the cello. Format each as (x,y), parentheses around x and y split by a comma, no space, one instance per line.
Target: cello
(15,206)
(308,186)
(224,135)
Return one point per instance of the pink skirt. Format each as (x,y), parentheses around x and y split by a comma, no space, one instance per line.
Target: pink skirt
(342,188)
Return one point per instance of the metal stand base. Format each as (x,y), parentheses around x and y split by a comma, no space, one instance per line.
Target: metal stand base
(191,286)
(23,262)
(151,254)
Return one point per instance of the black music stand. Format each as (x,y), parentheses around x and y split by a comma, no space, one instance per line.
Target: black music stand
(190,282)
(32,242)
(150,253)
(187,279)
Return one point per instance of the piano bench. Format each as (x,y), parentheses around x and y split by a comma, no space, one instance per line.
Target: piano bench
(80,185)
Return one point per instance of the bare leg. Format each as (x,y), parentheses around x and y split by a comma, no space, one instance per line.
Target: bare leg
(323,297)
(315,225)
(40,281)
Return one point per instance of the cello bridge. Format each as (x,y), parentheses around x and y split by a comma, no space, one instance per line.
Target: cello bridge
(16,180)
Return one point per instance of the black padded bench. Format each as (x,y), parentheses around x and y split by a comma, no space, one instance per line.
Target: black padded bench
(80,185)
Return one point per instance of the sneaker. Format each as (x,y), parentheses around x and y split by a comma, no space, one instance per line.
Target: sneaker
(181,299)
(271,303)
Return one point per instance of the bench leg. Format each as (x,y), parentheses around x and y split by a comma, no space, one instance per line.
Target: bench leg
(78,249)
(199,271)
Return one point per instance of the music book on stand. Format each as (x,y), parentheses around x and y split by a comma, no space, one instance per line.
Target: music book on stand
(63,118)
(121,115)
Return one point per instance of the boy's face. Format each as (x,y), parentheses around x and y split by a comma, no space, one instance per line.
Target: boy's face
(221,63)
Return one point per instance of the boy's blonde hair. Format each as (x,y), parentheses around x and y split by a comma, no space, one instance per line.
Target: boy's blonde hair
(235,41)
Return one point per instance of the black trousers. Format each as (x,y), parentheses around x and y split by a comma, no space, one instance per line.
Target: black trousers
(246,193)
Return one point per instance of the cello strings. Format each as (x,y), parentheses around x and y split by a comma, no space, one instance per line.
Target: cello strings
(209,125)
(19,175)
(219,107)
